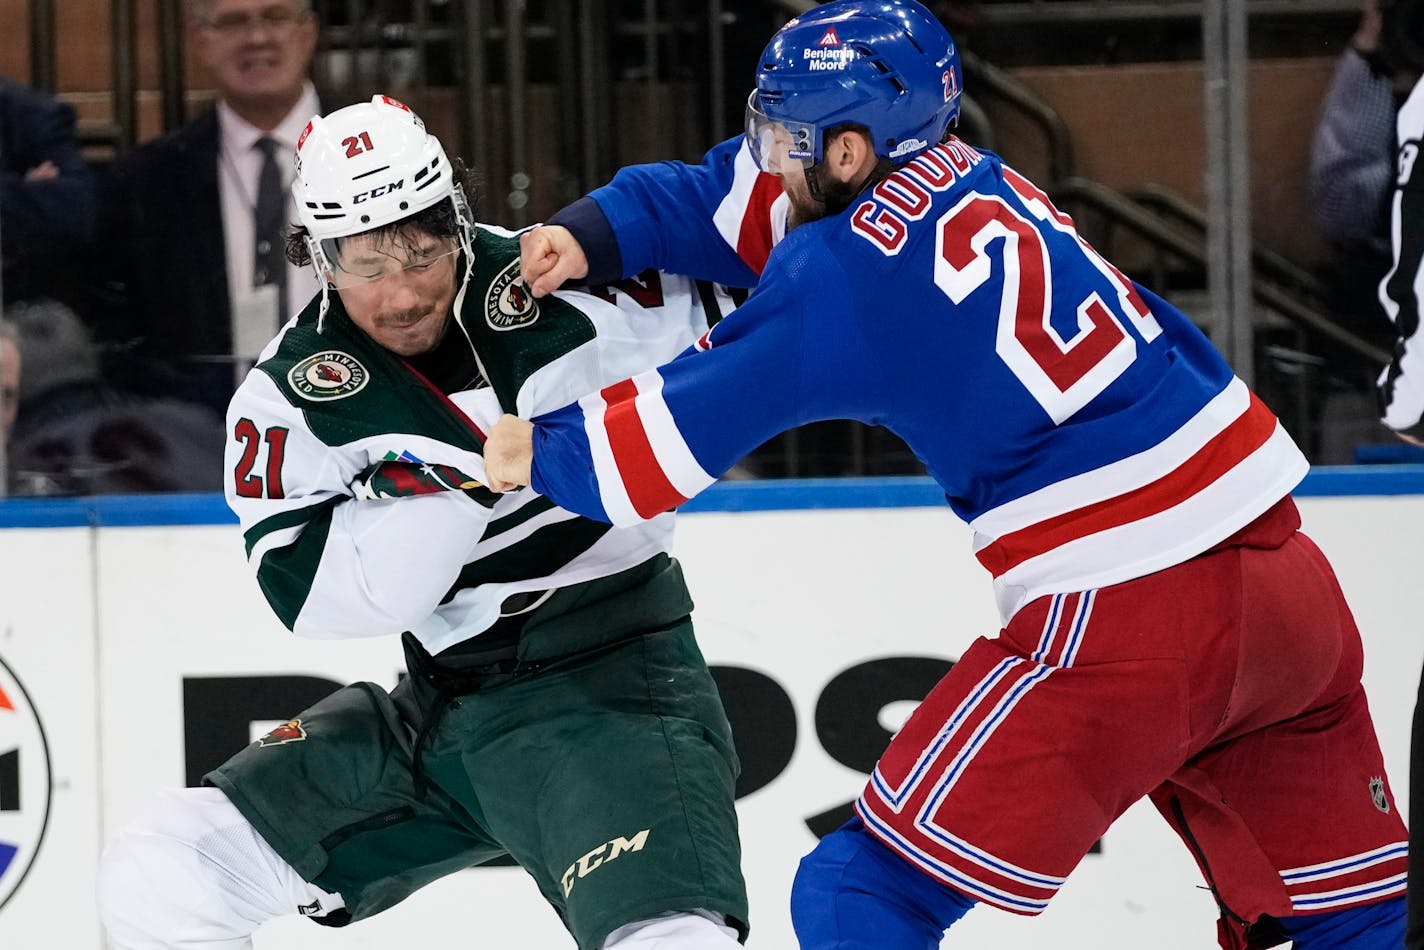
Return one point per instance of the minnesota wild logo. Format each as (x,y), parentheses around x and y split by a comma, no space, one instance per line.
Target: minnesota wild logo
(330,375)
(508,303)
(289,731)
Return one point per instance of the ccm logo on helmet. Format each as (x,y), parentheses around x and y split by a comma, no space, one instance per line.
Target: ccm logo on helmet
(377,192)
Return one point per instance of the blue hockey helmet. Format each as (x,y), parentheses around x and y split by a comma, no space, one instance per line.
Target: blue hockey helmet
(886,65)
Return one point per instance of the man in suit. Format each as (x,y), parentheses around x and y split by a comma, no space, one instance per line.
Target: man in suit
(192,287)
(9,382)
(46,192)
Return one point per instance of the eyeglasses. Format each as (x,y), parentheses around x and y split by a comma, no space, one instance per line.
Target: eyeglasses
(239,23)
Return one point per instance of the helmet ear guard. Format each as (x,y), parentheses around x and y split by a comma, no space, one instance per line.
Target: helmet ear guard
(887,66)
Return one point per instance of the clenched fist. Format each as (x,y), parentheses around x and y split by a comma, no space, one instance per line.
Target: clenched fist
(509,453)
(550,255)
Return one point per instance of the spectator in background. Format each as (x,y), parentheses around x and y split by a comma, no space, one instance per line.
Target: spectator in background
(9,381)
(191,225)
(1352,156)
(1351,171)
(77,436)
(46,193)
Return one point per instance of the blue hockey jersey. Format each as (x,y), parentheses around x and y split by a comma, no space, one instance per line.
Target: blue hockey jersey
(1083,427)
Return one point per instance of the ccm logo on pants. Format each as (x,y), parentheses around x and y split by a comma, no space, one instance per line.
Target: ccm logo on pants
(596,858)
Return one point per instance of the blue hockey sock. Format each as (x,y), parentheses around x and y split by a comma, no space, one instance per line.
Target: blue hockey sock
(1372,927)
(853,893)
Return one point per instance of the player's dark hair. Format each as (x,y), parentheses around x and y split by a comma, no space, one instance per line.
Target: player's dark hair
(438,220)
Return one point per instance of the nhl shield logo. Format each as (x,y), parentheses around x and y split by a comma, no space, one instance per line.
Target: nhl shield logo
(509,304)
(289,731)
(25,784)
(1377,794)
(330,375)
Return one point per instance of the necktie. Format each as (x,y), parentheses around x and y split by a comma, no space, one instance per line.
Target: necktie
(270,265)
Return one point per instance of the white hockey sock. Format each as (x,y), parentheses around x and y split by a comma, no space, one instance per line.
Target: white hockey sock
(691,930)
(190,873)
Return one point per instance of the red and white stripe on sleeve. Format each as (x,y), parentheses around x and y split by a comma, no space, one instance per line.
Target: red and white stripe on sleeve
(752,216)
(643,464)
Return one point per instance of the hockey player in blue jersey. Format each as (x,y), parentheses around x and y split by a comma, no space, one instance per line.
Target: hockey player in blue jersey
(1168,631)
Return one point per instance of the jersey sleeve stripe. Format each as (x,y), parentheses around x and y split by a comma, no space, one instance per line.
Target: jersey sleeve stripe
(744,218)
(292,520)
(286,574)
(611,491)
(675,458)
(643,464)
(1222,453)
(647,487)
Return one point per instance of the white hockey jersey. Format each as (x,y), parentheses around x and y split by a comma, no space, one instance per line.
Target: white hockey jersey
(358,484)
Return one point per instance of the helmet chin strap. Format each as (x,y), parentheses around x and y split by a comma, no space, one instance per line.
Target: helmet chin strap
(465,222)
(813,183)
(831,199)
(322,266)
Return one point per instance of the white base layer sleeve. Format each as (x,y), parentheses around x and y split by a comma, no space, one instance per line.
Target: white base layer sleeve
(694,930)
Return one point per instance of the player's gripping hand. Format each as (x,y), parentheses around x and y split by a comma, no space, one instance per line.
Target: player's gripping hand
(550,255)
(509,453)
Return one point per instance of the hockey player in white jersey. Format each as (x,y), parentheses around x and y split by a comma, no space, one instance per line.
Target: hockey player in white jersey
(541,645)
(1168,632)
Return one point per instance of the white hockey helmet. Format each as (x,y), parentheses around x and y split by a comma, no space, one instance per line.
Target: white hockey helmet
(365,167)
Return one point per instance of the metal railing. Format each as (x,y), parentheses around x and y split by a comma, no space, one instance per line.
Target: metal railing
(373,29)
(1288,289)
(1283,297)
(492,57)
(988,81)
(1047,13)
